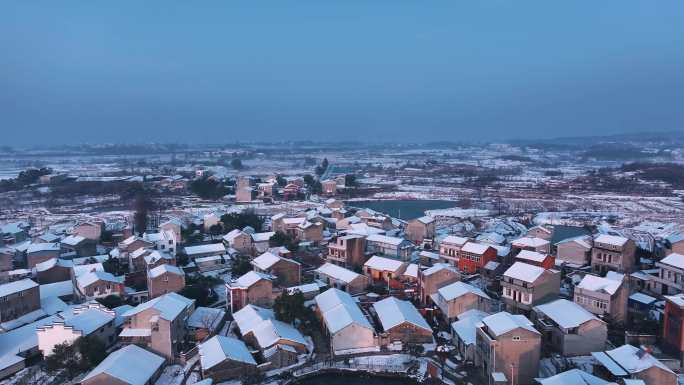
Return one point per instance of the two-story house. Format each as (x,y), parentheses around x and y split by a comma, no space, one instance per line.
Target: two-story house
(473,256)
(525,286)
(434,278)
(251,288)
(450,247)
(390,246)
(670,278)
(164,279)
(420,229)
(459,297)
(569,329)
(288,272)
(18,298)
(347,250)
(613,253)
(604,296)
(340,278)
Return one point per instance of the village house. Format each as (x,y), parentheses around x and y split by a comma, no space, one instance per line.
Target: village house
(41,252)
(212,262)
(251,288)
(532,244)
(541,232)
(673,325)
(329,187)
(132,244)
(347,250)
(604,296)
(91,319)
(333,203)
(340,278)
(225,358)
(569,329)
(628,362)
(383,270)
(78,245)
(159,324)
(390,246)
(401,322)
(464,331)
(450,248)
(130,365)
(89,230)
(98,284)
(525,286)
(261,241)
(435,277)
(375,219)
(420,229)
(613,253)
(543,260)
(291,191)
(288,272)
(345,324)
(574,377)
(136,259)
(6,259)
(205,321)
(674,244)
(575,251)
(309,232)
(164,241)
(265,190)
(286,224)
(473,256)
(164,279)
(157,258)
(54,270)
(670,277)
(175,226)
(239,240)
(18,298)
(459,297)
(208,250)
(508,344)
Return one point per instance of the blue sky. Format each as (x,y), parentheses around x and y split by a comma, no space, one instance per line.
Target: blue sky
(220,71)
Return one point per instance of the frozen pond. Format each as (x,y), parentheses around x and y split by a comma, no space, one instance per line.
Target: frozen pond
(404,209)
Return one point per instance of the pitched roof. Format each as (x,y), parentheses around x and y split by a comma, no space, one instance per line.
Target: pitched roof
(383,264)
(38,247)
(52,262)
(265,260)
(531,256)
(220,348)
(385,239)
(73,240)
(131,364)
(565,313)
(454,240)
(503,322)
(250,278)
(595,283)
(337,272)
(524,272)
(169,306)
(438,267)
(674,259)
(163,269)
(573,377)
(426,219)
(339,310)
(16,286)
(249,316)
(466,326)
(262,237)
(628,358)
(205,249)
(270,331)
(530,242)
(92,277)
(613,240)
(458,289)
(89,320)
(474,248)
(394,312)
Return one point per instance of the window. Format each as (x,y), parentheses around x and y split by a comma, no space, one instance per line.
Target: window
(516,338)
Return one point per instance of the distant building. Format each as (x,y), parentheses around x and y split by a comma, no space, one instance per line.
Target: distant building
(420,229)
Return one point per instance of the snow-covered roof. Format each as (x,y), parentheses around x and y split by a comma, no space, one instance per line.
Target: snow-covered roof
(220,348)
(16,286)
(675,238)
(384,264)
(131,364)
(339,310)
(542,228)
(271,331)
(265,261)
(524,272)
(206,318)
(57,289)
(675,260)
(249,316)
(425,219)
(232,235)
(628,358)
(595,283)
(530,242)
(73,240)
(394,312)
(566,314)
(491,237)
(385,239)
(457,289)
(169,306)
(411,270)
(156,255)
(362,228)
(305,288)
(454,240)
(642,298)
(250,278)
(89,320)
(92,277)
(438,267)
(262,237)
(573,377)
(474,248)
(38,247)
(52,262)
(337,272)
(531,256)
(163,269)
(503,322)
(466,326)
(582,240)
(89,268)
(205,249)
(613,240)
